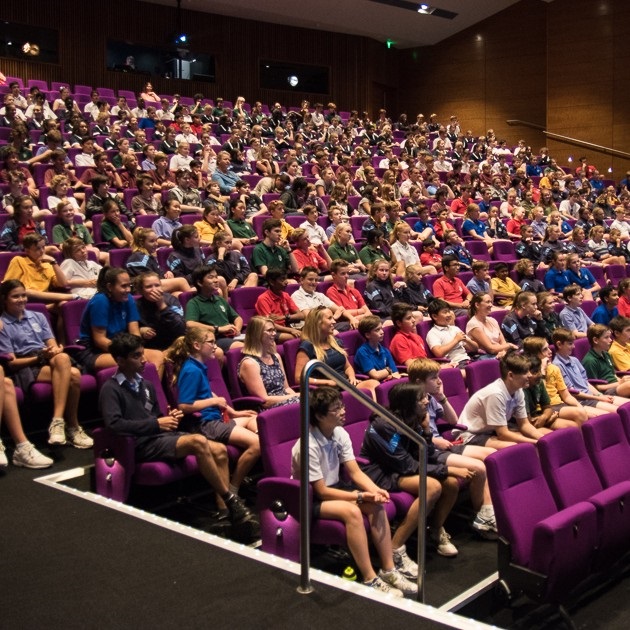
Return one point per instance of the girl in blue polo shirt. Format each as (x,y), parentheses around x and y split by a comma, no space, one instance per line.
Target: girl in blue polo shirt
(218,421)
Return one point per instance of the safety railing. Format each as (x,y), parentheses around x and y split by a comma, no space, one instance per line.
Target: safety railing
(576,141)
(305,506)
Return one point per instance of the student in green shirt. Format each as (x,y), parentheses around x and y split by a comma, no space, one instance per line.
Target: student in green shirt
(373,249)
(599,364)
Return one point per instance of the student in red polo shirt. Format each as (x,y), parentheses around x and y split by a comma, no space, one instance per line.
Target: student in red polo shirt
(407,344)
(450,288)
(343,295)
(278,305)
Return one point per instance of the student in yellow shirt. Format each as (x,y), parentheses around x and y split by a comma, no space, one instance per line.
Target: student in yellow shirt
(620,348)
(211,224)
(503,287)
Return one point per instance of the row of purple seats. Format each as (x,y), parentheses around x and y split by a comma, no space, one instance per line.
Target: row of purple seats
(561,507)
(116,468)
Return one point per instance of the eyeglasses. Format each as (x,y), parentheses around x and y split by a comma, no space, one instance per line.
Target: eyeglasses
(210,342)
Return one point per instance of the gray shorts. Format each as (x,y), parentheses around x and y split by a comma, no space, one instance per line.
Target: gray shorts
(158,447)
(588,402)
(217,430)
(475,439)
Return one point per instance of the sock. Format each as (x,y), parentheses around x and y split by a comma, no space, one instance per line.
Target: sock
(400,549)
(388,572)
(487,510)
(22,445)
(233,489)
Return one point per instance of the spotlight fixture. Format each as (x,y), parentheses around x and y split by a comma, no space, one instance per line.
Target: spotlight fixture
(425,9)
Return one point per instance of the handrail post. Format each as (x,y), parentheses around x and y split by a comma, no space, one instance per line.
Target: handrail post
(305,532)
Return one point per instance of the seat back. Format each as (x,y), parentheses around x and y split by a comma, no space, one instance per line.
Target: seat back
(290,355)
(581,347)
(72,312)
(567,467)
(455,388)
(520,496)
(357,420)
(608,448)
(504,251)
(481,373)
(243,300)
(278,431)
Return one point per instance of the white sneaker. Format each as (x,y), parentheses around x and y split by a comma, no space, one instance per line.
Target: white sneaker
(443,543)
(79,438)
(397,580)
(404,564)
(378,584)
(27,456)
(485,524)
(4,462)
(57,432)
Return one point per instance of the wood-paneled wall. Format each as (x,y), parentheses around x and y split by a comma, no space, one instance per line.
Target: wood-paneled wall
(356,64)
(485,75)
(588,95)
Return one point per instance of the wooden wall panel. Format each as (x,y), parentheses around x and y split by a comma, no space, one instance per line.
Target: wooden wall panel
(489,78)
(238,45)
(588,95)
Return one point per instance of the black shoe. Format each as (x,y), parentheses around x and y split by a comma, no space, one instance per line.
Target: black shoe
(239,512)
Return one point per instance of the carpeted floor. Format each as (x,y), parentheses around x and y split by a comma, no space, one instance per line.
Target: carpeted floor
(71,563)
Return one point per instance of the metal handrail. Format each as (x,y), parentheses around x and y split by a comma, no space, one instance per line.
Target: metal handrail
(580,143)
(305,532)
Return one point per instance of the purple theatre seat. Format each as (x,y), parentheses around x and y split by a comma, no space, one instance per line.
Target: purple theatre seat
(543,551)
(615,273)
(278,495)
(608,448)
(243,301)
(290,355)
(237,389)
(481,373)
(581,347)
(504,251)
(572,478)
(72,312)
(115,465)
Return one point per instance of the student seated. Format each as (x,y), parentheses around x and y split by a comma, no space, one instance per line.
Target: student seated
(527,279)
(450,288)
(25,453)
(607,310)
(161,314)
(129,406)
(219,421)
(110,311)
(382,291)
(445,340)
(37,357)
(260,370)
(278,305)
(209,311)
(540,411)
(113,230)
(599,364)
(41,275)
(372,358)
(582,276)
(561,400)
(489,410)
(524,320)
(504,289)
(346,296)
(348,503)
(414,292)
(480,282)
(620,348)
(427,374)
(485,330)
(273,251)
(407,344)
(393,464)
(576,378)
(572,316)
(319,342)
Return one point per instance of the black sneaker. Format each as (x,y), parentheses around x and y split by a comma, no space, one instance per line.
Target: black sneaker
(239,512)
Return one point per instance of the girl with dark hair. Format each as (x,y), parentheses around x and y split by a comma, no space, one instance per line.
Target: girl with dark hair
(110,311)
